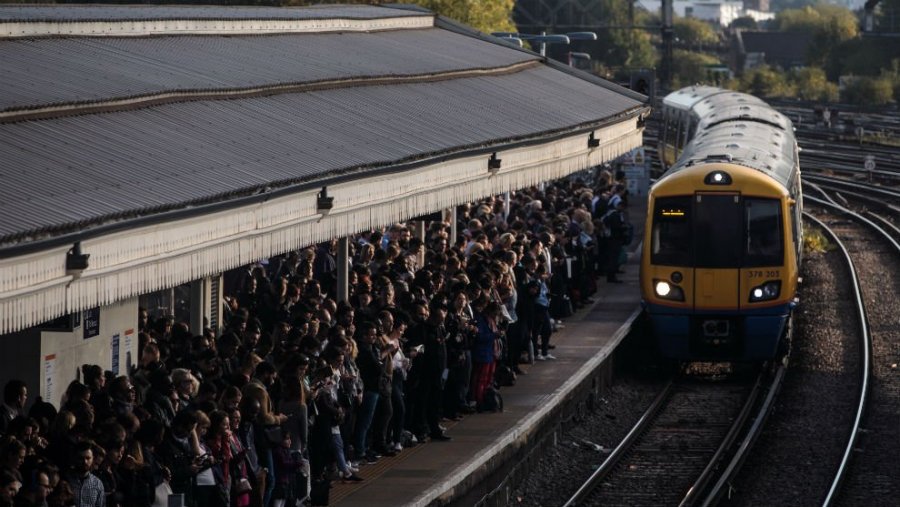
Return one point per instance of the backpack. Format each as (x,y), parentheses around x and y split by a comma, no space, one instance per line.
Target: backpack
(492,402)
(320,492)
(504,376)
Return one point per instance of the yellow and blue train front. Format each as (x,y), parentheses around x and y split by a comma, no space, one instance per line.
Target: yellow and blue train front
(712,332)
(718,275)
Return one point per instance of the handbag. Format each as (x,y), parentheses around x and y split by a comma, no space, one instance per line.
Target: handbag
(161,495)
(242,486)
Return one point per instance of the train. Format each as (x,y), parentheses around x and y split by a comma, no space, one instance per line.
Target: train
(722,244)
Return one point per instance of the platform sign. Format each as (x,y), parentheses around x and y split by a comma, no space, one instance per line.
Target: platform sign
(49,376)
(91,321)
(637,171)
(129,339)
(114,364)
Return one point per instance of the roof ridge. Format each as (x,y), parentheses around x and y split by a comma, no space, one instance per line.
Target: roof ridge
(12,27)
(42,112)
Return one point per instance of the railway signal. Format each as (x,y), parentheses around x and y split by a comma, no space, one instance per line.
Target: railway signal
(869,164)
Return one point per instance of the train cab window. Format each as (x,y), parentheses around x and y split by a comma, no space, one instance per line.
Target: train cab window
(679,130)
(764,237)
(691,131)
(671,240)
(717,242)
(664,133)
(673,119)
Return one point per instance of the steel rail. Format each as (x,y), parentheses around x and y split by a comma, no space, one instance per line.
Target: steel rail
(613,459)
(708,474)
(728,475)
(866,346)
(827,180)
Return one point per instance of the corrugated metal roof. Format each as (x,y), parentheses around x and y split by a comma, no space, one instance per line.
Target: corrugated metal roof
(58,71)
(132,12)
(71,170)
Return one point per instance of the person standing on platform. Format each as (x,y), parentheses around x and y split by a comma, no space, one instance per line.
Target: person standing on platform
(484,350)
(87,487)
(430,335)
(370,364)
(15,394)
(614,221)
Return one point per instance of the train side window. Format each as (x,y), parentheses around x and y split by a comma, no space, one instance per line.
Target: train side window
(671,235)
(764,237)
(676,139)
(665,129)
(691,131)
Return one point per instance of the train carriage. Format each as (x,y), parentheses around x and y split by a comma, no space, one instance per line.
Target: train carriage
(722,244)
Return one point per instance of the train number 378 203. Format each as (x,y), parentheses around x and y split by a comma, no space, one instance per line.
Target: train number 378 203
(769,273)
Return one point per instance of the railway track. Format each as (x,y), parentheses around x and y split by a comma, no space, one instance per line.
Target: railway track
(869,469)
(670,449)
(687,446)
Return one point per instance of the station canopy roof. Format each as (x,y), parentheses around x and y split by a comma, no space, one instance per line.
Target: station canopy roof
(172,143)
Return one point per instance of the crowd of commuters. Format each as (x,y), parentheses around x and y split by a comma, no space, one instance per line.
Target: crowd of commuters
(299,388)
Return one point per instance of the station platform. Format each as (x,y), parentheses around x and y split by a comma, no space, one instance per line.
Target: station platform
(435,473)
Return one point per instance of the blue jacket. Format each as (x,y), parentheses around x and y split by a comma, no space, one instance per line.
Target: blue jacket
(483,349)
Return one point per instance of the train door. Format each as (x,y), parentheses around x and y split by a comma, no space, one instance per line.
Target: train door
(717,254)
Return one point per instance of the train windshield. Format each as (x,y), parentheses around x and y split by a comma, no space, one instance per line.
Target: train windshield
(717,231)
(671,242)
(717,242)
(764,245)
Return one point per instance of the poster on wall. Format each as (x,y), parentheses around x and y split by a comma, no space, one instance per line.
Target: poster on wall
(114,367)
(129,336)
(49,376)
(91,321)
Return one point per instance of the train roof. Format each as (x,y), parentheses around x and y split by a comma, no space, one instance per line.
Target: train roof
(759,146)
(685,98)
(747,112)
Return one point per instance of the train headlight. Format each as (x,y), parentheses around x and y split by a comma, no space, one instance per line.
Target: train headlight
(717,178)
(765,292)
(666,290)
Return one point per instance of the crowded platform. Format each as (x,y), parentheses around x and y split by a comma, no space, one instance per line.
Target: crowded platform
(299,387)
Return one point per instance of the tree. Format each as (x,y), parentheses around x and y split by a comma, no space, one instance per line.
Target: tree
(869,91)
(829,24)
(764,82)
(485,15)
(693,32)
(621,48)
(810,83)
(863,56)
(745,22)
(690,68)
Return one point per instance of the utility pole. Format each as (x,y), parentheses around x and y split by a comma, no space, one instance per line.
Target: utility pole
(665,77)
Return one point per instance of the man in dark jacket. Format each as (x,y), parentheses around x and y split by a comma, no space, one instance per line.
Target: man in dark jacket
(431,335)
(370,365)
(614,220)
(176,453)
(15,394)
(159,397)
